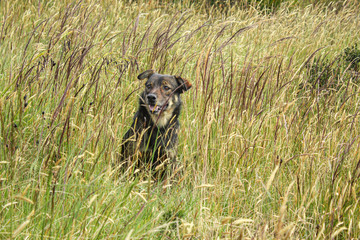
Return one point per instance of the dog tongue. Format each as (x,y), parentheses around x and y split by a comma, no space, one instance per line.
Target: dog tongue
(154,109)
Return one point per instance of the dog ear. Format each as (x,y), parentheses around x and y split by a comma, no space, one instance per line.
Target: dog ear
(146,74)
(184,84)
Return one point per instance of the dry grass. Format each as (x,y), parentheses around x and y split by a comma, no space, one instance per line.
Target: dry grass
(263,157)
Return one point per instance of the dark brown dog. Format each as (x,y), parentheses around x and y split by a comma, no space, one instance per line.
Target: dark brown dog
(151,142)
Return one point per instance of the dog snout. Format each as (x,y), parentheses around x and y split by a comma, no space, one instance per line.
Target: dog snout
(151,98)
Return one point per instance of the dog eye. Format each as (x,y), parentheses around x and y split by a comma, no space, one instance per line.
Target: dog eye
(148,86)
(166,88)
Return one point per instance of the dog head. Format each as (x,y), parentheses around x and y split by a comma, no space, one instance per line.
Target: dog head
(161,94)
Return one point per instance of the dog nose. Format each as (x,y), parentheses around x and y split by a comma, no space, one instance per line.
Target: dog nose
(151,98)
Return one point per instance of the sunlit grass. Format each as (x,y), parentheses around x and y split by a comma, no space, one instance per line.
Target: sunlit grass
(264,154)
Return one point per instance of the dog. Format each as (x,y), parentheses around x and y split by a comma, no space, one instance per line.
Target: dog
(153,137)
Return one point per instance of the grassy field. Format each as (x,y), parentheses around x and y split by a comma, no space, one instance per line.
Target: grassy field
(269,140)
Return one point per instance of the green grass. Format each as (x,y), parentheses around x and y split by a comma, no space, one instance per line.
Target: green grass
(265,153)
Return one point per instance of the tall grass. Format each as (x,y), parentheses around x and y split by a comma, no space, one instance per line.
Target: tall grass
(264,153)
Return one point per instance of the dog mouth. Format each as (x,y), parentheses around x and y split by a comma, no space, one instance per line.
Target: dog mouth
(157,108)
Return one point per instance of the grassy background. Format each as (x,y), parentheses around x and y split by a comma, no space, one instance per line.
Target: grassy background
(267,151)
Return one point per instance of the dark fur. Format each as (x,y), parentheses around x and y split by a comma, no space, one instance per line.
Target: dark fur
(153,136)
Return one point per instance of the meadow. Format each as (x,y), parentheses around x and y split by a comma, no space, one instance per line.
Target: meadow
(269,140)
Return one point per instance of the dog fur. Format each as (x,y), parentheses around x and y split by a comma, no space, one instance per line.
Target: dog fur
(153,136)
